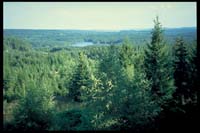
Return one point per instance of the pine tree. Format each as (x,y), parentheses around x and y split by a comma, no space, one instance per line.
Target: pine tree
(182,72)
(109,64)
(123,99)
(107,93)
(81,81)
(158,66)
(126,59)
(36,107)
(136,108)
(194,80)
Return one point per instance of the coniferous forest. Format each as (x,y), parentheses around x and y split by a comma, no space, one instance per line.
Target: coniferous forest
(146,82)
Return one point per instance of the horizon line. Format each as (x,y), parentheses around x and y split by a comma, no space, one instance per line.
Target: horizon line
(96,29)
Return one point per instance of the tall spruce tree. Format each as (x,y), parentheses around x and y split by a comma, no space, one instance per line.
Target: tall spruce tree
(123,98)
(136,108)
(194,79)
(182,72)
(107,95)
(81,80)
(158,66)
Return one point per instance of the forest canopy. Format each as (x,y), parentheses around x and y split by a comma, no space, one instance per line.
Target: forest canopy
(129,80)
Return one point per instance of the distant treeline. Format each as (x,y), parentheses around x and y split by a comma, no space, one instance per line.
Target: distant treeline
(62,38)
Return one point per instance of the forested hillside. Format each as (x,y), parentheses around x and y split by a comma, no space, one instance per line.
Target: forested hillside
(143,81)
(61,38)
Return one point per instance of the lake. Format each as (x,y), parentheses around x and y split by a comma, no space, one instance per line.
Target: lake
(83,44)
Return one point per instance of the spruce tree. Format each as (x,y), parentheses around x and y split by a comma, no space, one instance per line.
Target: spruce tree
(182,72)
(81,81)
(194,73)
(158,66)
(136,108)
(126,59)
(123,98)
(107,95)
(35,108)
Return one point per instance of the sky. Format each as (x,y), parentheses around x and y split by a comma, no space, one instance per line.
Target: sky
(97,15)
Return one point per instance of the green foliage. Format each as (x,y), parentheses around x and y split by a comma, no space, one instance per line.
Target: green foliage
(71,120)
(158,66)
(126,59)
(194,73)
(54,86)
(16,44)
(121,100)
(138,109)
(185,72)
(181,74)
(35,109)
(59,39)
(8,110)
(81,81)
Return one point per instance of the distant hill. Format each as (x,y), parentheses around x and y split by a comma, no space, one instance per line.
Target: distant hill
(60,38)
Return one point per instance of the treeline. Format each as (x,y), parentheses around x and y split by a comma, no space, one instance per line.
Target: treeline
(116,87)
(65,38)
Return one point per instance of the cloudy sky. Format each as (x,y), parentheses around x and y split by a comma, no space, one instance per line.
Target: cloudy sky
(97,15)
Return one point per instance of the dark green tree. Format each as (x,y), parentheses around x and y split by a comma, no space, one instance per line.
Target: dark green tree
(81,81)
(136,107)
(35,108)
(158,67)
(182,72)
(126,59)
(71,120)
(194,73)
(107,92)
